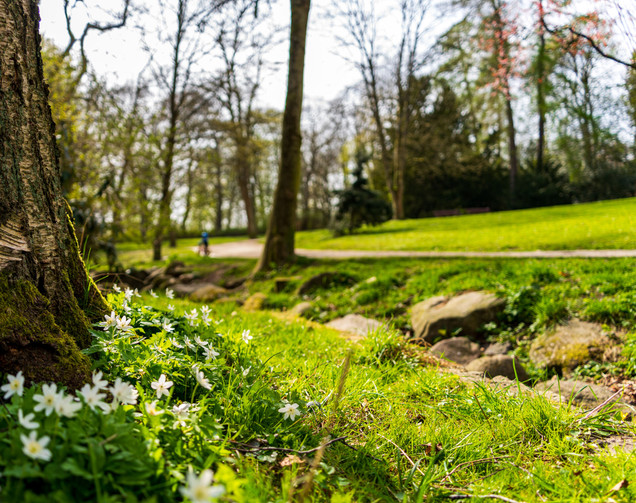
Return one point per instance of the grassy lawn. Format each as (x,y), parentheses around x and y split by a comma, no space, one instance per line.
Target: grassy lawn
(605,224)
(407,431)
(132,254)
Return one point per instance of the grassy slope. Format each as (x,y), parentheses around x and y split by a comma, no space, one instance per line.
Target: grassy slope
(420,433)
(605,224)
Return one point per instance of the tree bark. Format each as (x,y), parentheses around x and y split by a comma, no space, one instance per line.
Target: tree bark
(512,150)
(279,242)
(247,195)
(46,296)
(541,106)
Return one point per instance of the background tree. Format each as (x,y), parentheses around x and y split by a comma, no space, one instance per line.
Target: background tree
(189,16)
(391,110)
(279,240)
(359,205)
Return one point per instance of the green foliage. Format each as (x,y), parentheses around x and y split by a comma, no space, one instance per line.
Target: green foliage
(358,204)
(392,407)
(545,186)
(446,168)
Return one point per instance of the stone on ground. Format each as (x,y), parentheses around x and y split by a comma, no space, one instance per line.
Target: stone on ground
(301,308)
(255,302)
(569,346)
(356,324)
(441,317)
(457,349)
(499,365)
(208,293)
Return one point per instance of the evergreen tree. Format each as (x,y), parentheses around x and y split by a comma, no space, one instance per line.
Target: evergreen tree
(358,204)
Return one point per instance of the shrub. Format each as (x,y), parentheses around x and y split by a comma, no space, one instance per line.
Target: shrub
(358,204)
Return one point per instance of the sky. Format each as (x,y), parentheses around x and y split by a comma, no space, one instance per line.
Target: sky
(118,54)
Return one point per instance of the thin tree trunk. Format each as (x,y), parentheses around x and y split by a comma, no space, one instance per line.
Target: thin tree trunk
(399,154)
(188,201)
(512,150)
(541,101)
(46,296)
(279,242)
(218,216)
(385,155)
(243,171)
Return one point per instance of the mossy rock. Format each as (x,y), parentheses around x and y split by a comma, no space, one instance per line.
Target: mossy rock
(255,302)
(569,346)
(31,340)
(208,293)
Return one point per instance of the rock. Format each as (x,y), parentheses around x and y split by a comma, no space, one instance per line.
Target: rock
(499,365)
(498,348)
(457,349)
(186,289)
(586,395)
(255,302)
(440,317)
(176,268)
(356,324)
(188,277)
(324,280)
(159,271)
(208,293)
(569,346)
(281,283)
(301,308)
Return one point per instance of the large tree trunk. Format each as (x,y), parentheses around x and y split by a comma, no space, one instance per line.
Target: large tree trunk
(279,242)
(46,297)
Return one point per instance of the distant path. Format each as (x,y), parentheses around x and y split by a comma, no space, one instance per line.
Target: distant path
(251,248)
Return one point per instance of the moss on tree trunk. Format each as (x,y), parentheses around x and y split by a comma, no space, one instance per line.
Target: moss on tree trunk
(46,297)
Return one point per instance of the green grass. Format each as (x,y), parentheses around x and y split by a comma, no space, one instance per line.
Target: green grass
(133,254)
(413,432)
(600,225)
(419,434)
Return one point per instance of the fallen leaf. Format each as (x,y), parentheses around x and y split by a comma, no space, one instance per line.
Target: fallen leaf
(621,485)
(290,460)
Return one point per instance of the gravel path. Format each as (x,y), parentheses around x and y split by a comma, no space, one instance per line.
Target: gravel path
(251,248)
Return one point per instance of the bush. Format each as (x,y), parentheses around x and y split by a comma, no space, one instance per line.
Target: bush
(358,204)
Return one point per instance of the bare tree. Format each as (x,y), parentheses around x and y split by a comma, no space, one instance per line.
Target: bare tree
(189,17)
(242,41)
(391,119)
(323,140)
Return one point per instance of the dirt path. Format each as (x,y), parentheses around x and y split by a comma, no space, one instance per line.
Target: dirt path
(251,248)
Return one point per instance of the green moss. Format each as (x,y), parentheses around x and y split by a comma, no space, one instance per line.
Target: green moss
(86,293)
(571,355)
(32,341)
